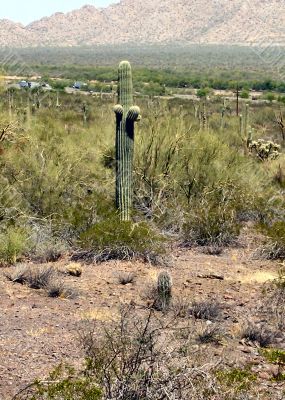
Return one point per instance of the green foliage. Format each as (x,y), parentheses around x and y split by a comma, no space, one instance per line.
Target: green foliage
(58,177)
(97,63)
(63,384)
(270,97)
(204,92)
(240,379)
(213,219)
(123,239)
(244,94)
(276,356)
(13,244)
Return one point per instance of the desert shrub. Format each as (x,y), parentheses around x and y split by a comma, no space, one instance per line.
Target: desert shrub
(113,239)
(50,176)
(129,361)
(212,221)
(277,357)
(139,356)
(19,275)
(279,176)
(63,383)
(259,334)
(181,174)
(274,302)
(209,334)
(208,310)
(125,278)
(13,244)
(43,277)
(240,379)
(46,245)
(40,277)
(274,248)
(34,277)
(57,288)
(181,307)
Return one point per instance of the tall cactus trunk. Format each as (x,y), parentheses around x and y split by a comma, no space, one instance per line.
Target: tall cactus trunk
(126,115)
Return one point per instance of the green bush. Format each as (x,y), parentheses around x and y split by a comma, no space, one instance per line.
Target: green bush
(240,379)
(112,238)
(277,357)
(213,219)
(13,244)
(204,92)
(62,384)
(244,94)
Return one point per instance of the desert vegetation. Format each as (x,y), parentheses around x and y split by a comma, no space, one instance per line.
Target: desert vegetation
(203,180)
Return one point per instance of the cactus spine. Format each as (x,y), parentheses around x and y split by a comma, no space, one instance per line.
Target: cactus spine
(164,289)
(126,116)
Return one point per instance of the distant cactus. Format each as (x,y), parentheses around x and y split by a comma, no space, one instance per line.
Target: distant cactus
(57,100)
(85,113)
(203,117)
(126,116)
(164,291)
(245,130)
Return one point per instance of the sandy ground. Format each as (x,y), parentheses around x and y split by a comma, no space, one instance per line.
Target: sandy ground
(37,332)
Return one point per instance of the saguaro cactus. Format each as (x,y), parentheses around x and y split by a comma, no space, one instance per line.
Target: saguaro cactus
(126,116)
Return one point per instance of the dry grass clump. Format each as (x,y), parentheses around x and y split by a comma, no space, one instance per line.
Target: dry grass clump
(259,334)
(207,310)
(43,277)
(126,278)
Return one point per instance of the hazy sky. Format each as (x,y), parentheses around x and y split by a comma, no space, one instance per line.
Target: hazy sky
(29,10)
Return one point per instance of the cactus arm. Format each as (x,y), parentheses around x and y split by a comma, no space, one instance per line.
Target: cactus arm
(134,114)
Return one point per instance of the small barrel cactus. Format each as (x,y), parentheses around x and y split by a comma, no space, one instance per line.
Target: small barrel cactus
(126,115)
(164,291)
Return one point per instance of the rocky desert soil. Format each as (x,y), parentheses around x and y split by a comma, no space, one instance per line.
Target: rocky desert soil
(37,332)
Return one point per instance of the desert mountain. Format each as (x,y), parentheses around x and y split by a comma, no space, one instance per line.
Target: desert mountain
(258,22)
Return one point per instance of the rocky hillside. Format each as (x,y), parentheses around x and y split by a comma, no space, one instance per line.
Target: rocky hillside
(155,21)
